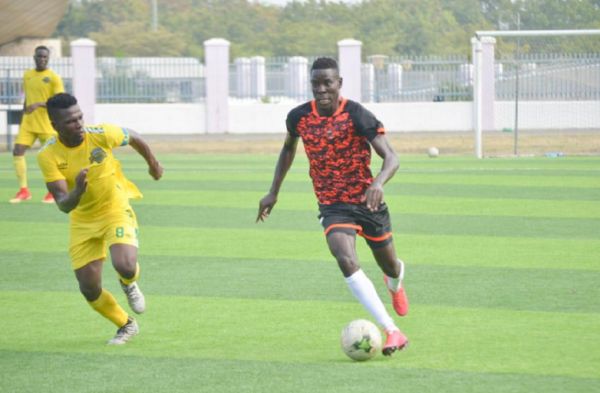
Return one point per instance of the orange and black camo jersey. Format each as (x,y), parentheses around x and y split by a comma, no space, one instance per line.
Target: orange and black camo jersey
(338,149)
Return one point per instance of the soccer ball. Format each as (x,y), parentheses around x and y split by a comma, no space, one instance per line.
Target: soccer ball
(433,152)
(361,340)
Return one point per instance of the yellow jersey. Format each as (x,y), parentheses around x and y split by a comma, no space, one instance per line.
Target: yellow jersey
(38,86)
(108,191)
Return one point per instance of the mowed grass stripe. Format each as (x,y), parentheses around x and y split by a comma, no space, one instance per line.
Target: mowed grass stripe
(526,165)
(31,370)
(399,204)
(439,204)
(403,223)
(393,188)
(286,220)
(275,244)
(483,177)
(504,288)
(538,172)
(442,338)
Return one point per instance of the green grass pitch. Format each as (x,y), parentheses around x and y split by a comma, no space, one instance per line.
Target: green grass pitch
(503,274)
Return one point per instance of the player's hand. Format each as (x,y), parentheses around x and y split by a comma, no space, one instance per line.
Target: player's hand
(156,171)
(81,181)
(265,206)
(373,197)
(32,107)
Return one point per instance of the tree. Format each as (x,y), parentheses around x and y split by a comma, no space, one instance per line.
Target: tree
(313,27)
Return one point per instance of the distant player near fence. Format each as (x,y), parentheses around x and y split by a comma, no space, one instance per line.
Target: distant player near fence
(39,84)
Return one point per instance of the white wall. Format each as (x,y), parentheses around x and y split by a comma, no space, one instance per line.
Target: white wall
(424,116)
(155,118)
(438,116)
(540,115)
(246,118)
(252,118)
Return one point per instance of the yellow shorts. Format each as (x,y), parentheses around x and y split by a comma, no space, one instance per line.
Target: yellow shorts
(89,240)
(27,137)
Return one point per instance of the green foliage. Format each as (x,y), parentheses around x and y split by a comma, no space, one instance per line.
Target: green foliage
(122,40)
(312,27)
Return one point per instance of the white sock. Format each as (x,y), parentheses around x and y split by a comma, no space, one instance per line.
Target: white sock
(362,288)
(394,284)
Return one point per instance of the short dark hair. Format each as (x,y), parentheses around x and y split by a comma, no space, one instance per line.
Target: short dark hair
(324,63)
(44,47)
(60,101)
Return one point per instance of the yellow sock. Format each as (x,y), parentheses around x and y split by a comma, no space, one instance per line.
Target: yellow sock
(21,170)
(129,281)
(108,307)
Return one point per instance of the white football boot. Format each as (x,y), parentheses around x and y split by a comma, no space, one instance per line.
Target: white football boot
(125,333)
(135,297)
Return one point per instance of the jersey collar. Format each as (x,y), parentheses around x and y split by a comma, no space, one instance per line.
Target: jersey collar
(340,109)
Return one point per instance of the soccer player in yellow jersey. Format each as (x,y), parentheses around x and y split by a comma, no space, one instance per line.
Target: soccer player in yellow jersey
(39,84)
(87,182)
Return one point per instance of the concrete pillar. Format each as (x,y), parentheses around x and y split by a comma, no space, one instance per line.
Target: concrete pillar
(349,53)
(368,75)
(394,71)
(258,77)
(242,77)
(216,53)
(298,78)
(83,55)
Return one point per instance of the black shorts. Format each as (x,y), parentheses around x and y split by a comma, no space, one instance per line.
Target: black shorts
(375,226)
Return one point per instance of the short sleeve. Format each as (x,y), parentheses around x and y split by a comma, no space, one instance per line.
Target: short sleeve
(365,122)
(290,124)
(48,166)
(294,117)
(57,84)
(115,135)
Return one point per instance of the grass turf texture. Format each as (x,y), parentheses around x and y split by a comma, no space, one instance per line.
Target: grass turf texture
(502,272)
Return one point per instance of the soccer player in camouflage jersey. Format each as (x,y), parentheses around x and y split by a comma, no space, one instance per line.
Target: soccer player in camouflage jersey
(337,135)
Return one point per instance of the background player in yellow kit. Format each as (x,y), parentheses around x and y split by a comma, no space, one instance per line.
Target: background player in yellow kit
(87,182)
(39,84)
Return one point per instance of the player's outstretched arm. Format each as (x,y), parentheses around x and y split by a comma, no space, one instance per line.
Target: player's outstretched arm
(286,158)
(383,148)
(154,168)
(66,200)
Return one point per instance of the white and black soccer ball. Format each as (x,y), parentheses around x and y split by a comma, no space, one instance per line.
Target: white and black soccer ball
(361,340)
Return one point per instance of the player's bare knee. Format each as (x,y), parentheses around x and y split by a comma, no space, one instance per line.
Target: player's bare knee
(19,150)
(348,265)
(126,266)
(391,269)
(91,292)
